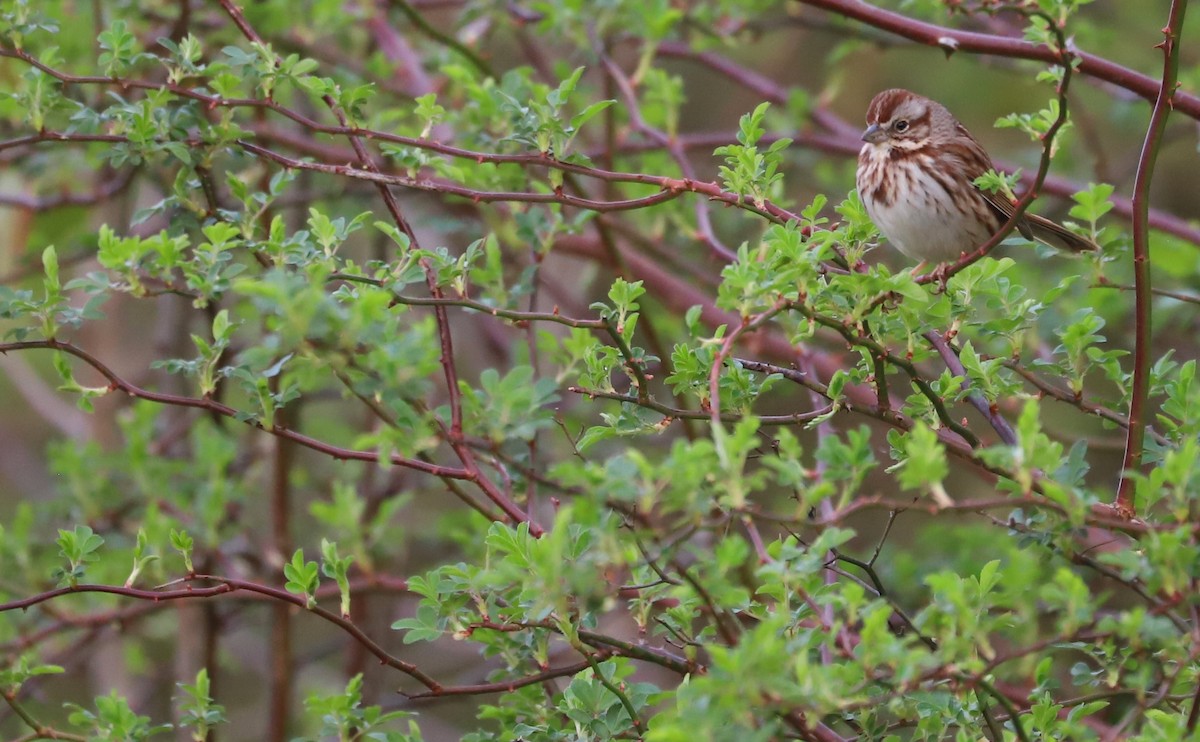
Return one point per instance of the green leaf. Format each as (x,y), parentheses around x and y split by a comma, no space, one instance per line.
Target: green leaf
(302,578)
(925,464)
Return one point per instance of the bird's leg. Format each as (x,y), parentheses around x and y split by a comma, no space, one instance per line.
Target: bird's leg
(939,275)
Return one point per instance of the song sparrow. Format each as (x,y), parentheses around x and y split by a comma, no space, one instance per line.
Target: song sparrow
(915,177)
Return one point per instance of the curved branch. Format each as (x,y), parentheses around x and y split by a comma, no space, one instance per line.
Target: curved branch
(951,40)
(673,412)
(508,686)
(225,586)
(116,382)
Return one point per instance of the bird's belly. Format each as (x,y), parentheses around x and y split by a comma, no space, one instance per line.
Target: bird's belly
(925,223)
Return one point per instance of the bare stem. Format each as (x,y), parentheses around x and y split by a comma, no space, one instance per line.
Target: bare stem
(1136,434)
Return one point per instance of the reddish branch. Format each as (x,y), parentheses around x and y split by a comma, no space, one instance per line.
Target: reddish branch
(224,586)
(632,650)
(1075,400)
(508,686)
(500,498)
(1167,99)
(839,137)
(1100,518)
(674,148)
(607,646)
(716,368)
(674,412)
(205,403)
(951,40)
(359,586)
(453,189)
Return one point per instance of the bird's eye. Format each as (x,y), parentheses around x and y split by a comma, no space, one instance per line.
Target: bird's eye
(900,125)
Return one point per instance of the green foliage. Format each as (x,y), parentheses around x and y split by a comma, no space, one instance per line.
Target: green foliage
(591,704)
(78,547)
(302,577)
(21,670)
(183,543)
(200,714)
(337,568)
(924,464)
(343,716)
(141,560)
(112,718)
(447,296)
(747,171)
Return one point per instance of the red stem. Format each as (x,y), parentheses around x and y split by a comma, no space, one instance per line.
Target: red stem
(1167,100)
(211,405)
(464,453)
(951,40)
(508,686)
(228,585)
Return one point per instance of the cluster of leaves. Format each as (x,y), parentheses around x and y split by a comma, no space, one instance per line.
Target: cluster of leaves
(665,514)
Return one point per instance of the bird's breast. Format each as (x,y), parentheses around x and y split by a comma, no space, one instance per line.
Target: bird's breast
(920,208)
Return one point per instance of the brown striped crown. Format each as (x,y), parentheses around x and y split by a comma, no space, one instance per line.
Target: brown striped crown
(884,105)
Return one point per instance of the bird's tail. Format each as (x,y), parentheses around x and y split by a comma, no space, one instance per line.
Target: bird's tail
(1058,236)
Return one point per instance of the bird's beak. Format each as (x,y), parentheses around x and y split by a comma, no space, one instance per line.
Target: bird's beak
(874,134)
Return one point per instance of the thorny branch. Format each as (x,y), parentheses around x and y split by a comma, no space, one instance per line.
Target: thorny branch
(1168,98)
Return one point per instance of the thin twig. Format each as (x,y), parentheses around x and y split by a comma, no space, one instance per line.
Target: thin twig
(675,412)
(210,405)
(444,39)
(506,686)
(224,586)
(40,731)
